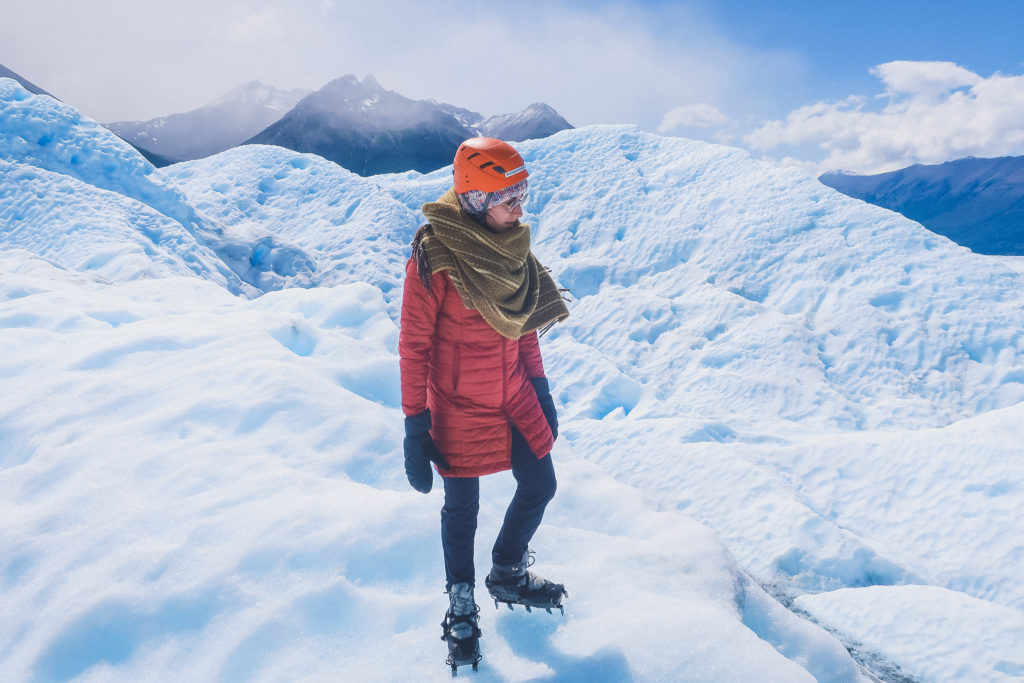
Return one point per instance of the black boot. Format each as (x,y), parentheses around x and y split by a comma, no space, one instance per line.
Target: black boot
(461,631)
(514,585)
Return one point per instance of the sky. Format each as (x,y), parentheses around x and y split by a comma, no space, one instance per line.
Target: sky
(866,86)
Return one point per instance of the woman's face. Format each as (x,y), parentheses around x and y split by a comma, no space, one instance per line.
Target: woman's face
(500,218)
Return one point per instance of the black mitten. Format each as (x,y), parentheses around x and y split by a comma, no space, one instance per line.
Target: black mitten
(420,450)
(547,404)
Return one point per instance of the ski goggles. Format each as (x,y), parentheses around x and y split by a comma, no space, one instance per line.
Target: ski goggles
(511,197)
(513,203)
(477,202)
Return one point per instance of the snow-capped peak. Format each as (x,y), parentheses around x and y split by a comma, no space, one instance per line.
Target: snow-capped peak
(227,121)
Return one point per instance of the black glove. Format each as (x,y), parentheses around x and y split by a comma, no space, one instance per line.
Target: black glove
(547,404)
(419,451)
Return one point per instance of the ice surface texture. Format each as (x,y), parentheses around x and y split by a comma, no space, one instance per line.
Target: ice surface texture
(762,383)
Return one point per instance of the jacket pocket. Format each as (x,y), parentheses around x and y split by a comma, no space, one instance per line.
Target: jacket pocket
(456,369)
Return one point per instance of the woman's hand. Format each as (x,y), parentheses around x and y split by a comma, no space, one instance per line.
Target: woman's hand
(420,450)
(547,404)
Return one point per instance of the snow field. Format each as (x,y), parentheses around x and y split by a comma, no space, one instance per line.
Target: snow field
(46,137)
(352,230)
(927,629)
(230,507)
(762,383)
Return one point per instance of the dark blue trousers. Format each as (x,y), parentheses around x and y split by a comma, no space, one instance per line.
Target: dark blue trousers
(535,487)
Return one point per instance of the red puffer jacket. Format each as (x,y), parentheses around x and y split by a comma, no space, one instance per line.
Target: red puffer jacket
(474,381)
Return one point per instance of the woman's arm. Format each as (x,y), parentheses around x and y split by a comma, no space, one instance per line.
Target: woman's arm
(416,337)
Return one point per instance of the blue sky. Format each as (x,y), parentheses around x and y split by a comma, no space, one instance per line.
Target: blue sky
(872,31)
(799,82)
(844,39)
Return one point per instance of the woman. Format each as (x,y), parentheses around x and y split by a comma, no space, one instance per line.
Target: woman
(473,387)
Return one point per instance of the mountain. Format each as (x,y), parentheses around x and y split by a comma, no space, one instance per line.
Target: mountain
(977,203)
(25,83)
(215,127)
(470,119)
(370,130)
(536,121)
(770,395)
(367,129)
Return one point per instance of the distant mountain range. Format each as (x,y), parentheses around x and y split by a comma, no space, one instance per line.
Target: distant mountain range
(358,125)
(370,130)
(220,125)
(978,203)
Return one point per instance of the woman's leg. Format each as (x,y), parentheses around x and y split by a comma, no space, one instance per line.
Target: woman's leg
(458,528)
(535,479)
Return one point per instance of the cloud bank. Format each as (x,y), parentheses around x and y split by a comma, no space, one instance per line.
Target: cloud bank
(931,112)
(611,61)
(673,68)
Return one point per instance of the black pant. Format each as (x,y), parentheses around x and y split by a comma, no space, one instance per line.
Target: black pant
(535,487)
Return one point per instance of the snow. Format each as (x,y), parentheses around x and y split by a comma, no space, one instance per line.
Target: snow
(770,395)
(927,629)
(49,144)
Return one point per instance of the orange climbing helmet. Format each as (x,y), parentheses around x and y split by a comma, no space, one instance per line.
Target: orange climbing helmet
(487,165)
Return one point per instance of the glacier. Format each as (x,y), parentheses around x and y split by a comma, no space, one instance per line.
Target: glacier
(789,445)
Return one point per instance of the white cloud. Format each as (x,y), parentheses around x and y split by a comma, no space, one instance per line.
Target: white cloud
(612,61)
(692,116)
(924,78)
(933,112)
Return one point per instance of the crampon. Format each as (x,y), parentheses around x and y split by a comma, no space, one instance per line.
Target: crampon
(516,586)
(460,629)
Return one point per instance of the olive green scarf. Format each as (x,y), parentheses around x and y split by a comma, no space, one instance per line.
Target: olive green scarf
(496,274)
